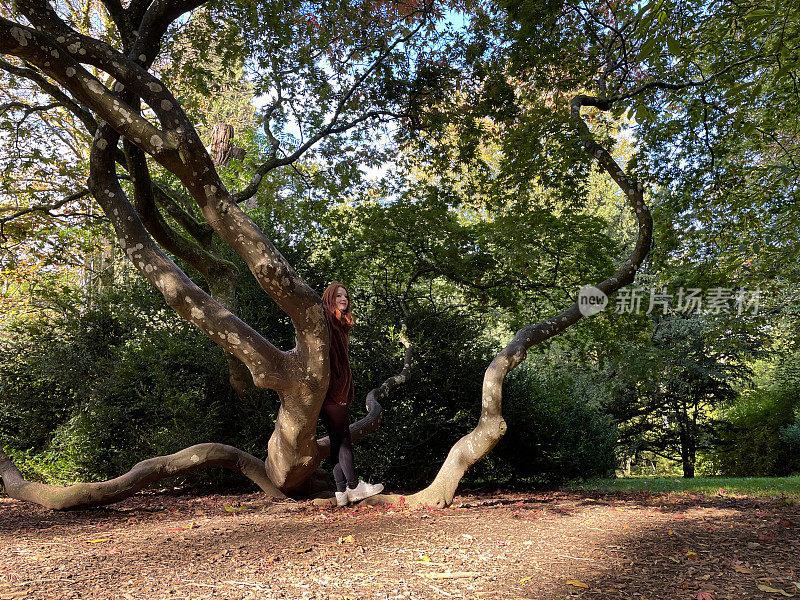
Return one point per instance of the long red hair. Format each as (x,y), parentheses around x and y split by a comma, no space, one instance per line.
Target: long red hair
(340,387)
(343,319)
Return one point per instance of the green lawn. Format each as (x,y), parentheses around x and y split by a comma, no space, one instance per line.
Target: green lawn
(763,487)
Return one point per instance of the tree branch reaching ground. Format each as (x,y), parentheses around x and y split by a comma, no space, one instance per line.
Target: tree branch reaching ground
(82,495)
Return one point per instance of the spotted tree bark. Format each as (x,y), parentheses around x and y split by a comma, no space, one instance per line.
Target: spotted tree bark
(300,375)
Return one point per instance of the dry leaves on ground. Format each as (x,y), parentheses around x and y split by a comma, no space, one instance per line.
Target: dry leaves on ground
(537,545)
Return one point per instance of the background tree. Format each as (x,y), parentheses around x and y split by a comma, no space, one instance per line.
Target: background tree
(671,401)
(725,158)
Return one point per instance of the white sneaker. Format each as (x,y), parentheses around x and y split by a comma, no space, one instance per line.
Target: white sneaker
(342,499)
(363,490)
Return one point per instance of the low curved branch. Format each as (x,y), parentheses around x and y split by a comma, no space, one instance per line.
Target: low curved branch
(83,495)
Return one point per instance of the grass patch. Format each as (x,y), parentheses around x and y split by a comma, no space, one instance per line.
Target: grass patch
(760,487)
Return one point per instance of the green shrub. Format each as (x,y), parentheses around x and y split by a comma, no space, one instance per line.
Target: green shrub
(758,437)
(791,435)
(554,434)
(86,395)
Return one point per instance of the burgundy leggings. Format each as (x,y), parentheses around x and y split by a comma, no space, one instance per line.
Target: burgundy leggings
(337,421)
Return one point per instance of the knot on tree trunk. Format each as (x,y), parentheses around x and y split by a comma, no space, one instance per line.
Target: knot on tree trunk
(221,148)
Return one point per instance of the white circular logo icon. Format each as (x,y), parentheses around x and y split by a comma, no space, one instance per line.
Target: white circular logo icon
(591,300)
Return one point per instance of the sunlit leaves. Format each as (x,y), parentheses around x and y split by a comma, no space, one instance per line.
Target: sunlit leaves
(726,153)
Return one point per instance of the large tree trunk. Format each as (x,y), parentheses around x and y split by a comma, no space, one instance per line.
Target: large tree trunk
(220,143)
(221,147)
(300,375)
(293,454)
(688,464)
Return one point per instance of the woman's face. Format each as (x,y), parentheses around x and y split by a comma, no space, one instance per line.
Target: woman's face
(342,301)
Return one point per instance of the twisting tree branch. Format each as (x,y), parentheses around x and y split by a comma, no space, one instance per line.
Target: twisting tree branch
(491,425)
(83,495)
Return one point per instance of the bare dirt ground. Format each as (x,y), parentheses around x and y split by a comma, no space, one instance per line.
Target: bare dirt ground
(536,545)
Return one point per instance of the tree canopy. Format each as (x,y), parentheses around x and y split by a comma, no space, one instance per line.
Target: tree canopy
(491,168)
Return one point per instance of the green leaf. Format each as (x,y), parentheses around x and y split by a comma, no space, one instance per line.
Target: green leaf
(759,13)
(781,73)
(647,49)
(674,46)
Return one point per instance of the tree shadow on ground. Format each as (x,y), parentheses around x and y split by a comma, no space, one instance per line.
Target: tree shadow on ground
(542,545)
